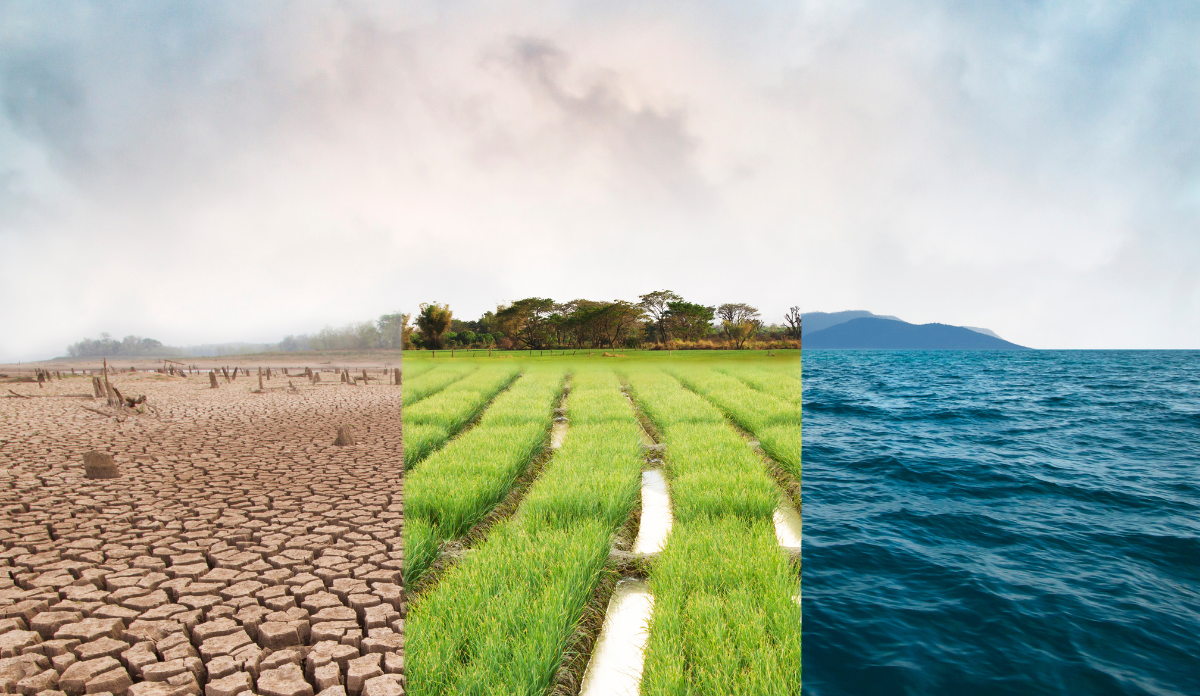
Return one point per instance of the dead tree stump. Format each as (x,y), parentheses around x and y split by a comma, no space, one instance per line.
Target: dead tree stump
(212,379)
(97,387)
(345,436)
(397,370)
(100,465)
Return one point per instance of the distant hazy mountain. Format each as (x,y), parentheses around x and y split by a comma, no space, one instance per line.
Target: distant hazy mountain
(987,332)
(873,333)
(819,321)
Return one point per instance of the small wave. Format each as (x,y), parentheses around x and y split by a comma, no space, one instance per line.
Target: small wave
(843,409)
(1002,524)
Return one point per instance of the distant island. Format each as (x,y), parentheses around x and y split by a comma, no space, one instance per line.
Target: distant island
(818,321)
(866,331)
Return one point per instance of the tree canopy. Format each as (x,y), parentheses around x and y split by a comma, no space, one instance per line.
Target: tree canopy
(432,322)
(739,322)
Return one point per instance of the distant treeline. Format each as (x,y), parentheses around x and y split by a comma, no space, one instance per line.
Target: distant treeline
(131,346)
(387,332)
(660,319)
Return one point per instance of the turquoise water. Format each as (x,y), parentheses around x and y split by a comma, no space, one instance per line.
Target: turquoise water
(1001,523)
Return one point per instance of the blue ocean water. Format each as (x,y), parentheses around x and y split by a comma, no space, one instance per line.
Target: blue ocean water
(1001,522)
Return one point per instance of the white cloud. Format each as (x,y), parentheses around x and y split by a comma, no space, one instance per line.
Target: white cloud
(202,173)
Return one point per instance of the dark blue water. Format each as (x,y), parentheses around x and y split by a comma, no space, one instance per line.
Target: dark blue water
(1001,523)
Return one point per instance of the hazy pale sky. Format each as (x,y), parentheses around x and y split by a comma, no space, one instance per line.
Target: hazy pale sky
(211,172)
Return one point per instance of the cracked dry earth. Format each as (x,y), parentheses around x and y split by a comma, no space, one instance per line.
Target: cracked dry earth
(240,551)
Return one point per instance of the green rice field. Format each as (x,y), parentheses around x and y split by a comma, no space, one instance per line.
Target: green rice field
(523,498)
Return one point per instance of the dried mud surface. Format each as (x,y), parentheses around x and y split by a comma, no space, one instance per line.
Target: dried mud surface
(239,551)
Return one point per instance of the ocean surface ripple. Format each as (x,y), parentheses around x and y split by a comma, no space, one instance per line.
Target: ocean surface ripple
(1001,522)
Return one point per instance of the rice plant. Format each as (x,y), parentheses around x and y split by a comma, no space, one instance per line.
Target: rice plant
(500,620)
(776,382)
(449,410)
(726,619)
(456,486)
(433,381)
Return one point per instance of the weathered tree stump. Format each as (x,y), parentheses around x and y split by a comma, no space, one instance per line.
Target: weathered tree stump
(97,387)
(397,376)
(100,465)
(345,436)
(212,379)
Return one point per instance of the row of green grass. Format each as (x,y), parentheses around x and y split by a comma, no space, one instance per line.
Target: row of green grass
(500,621)
(773,420)
(620,355)
(776,382)
(412,369)
(724,618)
(432,421)
(456,486)
(434,380)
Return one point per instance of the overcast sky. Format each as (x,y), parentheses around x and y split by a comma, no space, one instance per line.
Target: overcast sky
(210,172)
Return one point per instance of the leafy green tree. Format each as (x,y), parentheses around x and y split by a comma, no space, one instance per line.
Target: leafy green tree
(739,322)
(657,305)
(525,321)
(432,322)
(618,321)
(689,321)
(486,324)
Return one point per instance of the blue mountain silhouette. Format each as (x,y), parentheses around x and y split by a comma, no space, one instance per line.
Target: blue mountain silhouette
(871,333)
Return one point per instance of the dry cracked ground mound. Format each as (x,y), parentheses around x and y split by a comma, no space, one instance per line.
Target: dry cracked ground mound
(240,551)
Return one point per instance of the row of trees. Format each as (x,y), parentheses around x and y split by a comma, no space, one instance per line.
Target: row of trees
(131,346)
(661,317)
(389,331)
